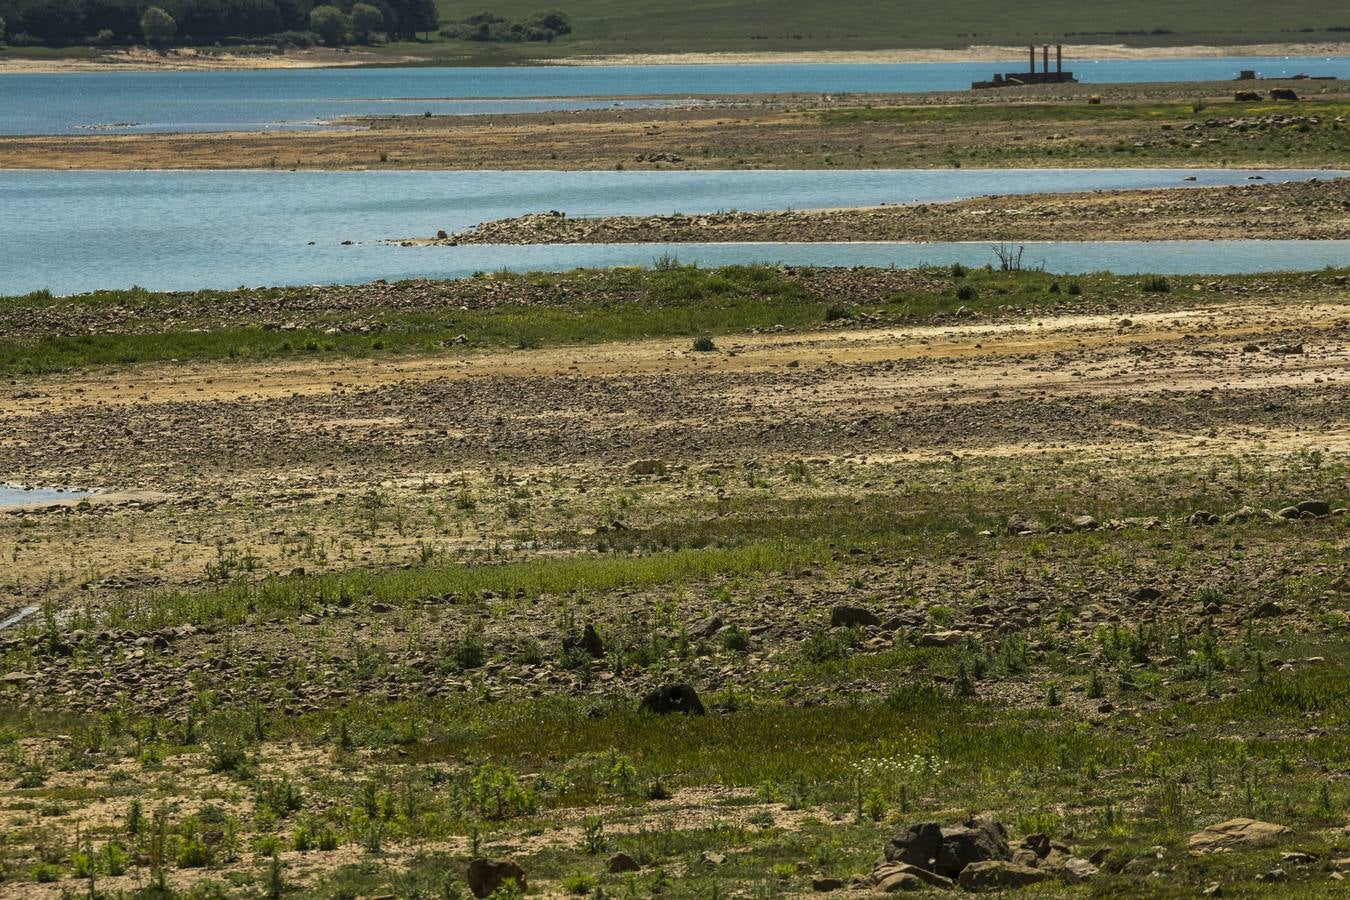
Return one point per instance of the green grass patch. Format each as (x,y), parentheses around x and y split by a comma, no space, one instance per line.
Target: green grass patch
(519,311)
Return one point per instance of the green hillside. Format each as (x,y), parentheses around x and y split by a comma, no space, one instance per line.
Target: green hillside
(625,26)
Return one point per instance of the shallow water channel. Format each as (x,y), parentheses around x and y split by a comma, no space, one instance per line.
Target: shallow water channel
(80,231)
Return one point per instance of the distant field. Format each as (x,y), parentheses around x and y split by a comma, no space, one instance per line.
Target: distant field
(628,26)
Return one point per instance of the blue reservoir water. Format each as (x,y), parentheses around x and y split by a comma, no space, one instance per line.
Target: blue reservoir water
(72,103)
(80,231)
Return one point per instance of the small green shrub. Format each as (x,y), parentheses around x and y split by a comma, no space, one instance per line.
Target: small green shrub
(822,646)
(228,757)
(703,344)
(469,652)
(578,883)
(735,639)
(45,873)
(192,854)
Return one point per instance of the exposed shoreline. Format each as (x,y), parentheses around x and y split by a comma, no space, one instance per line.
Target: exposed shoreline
(1184,124)
(190,59)
(194,59)
(1313,210)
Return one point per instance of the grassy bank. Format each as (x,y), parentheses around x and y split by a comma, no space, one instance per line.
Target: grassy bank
(529,311)
(609,27)
(606,27)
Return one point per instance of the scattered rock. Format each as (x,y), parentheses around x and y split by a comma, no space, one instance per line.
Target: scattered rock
(996,874)
(1020,524)
(900,881)
(941,638)
(1267,609)
(823,885)
(707,628)
(711,860)
(1140,866)
(1233,832)
(906,874)
(1075,870)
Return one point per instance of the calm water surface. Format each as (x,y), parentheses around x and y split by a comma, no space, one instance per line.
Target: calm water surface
(17,496)
(73,103)
(81,231)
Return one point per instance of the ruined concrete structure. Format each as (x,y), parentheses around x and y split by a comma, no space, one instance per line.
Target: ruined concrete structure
(1045,76)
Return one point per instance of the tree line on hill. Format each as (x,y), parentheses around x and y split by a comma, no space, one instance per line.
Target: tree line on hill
(63,23)
(542,26)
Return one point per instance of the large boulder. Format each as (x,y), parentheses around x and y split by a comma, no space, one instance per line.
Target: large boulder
(899,876)
(673,698)
(918,845)
(622,862)
(845,616)
(647,467)
(997,874)
(979,839)
(946,852)
(1021,524)
(1234,832)
(1314,508)
(1076,870)
(486,875)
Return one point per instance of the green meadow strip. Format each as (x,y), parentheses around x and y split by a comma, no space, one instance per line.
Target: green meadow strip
(295,594)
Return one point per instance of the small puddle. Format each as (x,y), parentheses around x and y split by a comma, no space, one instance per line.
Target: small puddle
(18,495)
